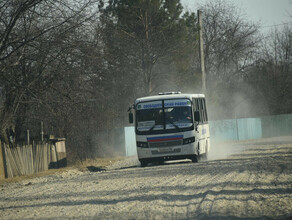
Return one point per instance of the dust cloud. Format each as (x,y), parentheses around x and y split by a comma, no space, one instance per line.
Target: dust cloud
(221,150)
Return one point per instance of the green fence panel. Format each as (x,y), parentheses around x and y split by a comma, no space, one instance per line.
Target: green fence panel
(236,129)
(223,130)
(249,128)
(277,125)
(130,141)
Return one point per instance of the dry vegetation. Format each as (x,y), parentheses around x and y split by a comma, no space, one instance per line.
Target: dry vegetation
(98,163)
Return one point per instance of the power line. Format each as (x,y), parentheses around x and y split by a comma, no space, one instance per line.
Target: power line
(275,25)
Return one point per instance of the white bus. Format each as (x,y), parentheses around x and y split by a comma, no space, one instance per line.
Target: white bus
(171,126)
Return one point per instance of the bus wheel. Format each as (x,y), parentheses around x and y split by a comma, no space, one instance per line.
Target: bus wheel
(161,162)
(143,163)
(195,159)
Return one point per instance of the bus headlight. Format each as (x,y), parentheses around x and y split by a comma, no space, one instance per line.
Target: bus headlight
(142,144)
(189,140)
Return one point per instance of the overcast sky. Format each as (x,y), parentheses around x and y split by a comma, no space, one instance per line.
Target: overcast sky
(267,12)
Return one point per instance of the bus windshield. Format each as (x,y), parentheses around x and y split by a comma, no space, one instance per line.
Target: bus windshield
(164,115)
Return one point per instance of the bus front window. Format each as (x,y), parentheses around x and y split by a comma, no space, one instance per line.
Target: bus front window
(178,117)
(178,113)
(149,116)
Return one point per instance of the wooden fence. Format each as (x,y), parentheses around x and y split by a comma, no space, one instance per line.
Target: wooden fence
(2,164)
(23,159)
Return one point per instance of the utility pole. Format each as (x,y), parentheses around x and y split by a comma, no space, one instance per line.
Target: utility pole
(27,137)
(42,131)
(201,43)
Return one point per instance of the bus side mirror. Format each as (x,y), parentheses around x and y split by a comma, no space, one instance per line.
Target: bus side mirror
(131,118)
(197,116)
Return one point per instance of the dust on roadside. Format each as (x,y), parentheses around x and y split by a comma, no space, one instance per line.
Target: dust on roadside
(219,150)
(98,164)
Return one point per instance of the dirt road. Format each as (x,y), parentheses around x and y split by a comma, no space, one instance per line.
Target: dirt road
(255,183)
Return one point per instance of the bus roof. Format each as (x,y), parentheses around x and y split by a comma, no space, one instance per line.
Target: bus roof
(171,96)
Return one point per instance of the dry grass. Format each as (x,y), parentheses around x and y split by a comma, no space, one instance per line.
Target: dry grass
(98,163)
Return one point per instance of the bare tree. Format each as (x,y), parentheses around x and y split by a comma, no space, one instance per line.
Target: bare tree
(231,43)
(271,72)
(33,38)
(10,13)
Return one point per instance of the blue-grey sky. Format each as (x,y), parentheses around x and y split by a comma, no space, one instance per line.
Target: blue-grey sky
(267,12)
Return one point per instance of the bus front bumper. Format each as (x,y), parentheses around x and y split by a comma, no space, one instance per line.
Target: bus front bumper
(171,152)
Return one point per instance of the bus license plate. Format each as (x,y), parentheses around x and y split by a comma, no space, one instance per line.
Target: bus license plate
(165,150)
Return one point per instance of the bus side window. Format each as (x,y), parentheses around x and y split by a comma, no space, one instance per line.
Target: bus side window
(196,104)
(205,110)
(196,109)
(199,109)
(200,106)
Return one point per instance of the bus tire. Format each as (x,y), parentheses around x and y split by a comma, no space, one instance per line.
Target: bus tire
(143,163)
(194,159)
(161,162)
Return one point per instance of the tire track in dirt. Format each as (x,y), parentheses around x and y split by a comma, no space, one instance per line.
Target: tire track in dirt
(255,183)
(194,208)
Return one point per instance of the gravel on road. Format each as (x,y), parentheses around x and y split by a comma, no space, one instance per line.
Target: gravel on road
(255,182)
